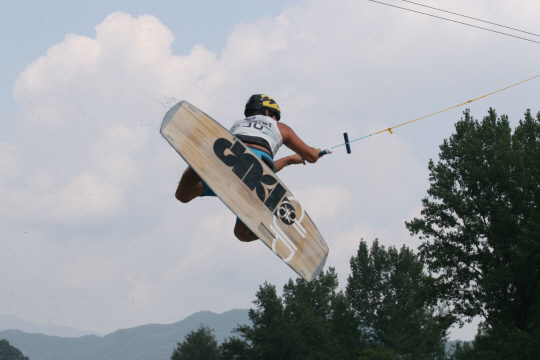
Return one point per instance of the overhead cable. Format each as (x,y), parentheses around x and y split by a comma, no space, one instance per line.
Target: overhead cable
(459,22)
(470,17)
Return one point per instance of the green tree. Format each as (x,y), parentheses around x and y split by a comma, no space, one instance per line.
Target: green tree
(197,345)
(310,321)
(460,351)
(508,343)
(8,352)
(481,223)
(268,337)
(387,290)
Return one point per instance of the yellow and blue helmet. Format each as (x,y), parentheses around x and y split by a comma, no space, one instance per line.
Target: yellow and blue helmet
(262,102)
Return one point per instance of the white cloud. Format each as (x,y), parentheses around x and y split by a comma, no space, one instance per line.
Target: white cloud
(10,160)
(324,201)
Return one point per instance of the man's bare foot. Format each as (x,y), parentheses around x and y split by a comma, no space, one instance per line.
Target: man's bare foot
(190,186)
(243,233)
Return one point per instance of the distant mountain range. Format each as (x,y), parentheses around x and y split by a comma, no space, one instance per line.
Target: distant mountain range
(10,322)
(146,342)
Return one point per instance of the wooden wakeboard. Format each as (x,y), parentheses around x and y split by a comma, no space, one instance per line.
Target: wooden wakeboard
(247,186)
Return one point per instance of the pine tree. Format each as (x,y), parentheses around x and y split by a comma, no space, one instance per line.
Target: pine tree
(310,321)
(387,290)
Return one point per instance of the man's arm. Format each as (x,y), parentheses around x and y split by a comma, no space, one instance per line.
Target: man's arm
(288,160)
(293,142)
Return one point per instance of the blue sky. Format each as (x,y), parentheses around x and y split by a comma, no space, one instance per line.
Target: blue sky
(95,238)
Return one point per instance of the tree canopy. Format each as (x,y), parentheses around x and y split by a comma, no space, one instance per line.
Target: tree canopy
(311,320)
(387,290)
(8,352)
(197,345)
(481,222)
(383,314)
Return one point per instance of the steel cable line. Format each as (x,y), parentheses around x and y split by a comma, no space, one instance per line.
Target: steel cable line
(459,22)
(470,17)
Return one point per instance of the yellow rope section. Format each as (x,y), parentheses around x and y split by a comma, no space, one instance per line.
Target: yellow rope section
(466,102)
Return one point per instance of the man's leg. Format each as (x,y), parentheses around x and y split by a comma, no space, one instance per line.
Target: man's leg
(190,186)
(242,232)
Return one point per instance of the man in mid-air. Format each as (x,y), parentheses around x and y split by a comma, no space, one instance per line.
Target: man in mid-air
(262,132)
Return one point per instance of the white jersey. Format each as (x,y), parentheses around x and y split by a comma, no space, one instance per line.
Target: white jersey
(261,130)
